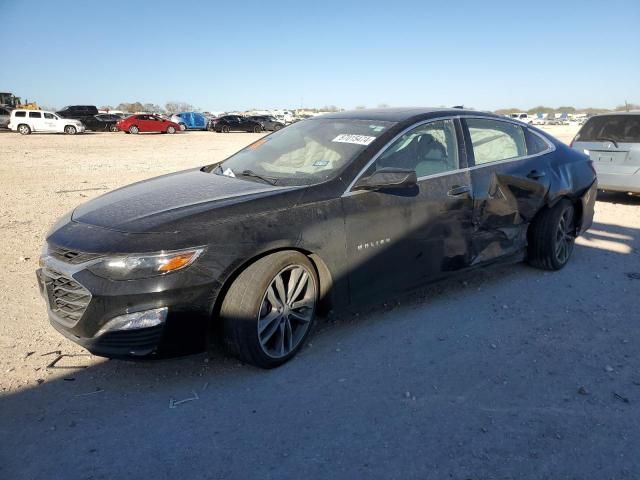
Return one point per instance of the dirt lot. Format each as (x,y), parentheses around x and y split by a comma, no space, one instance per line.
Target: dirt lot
(509,372)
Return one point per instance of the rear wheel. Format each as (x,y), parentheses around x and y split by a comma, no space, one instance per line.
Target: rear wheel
(269,309)
(225,129)
(70,130)
(552,235)
(257,129)
(24,129)
(133,129)
(113,128)
(171,129)
(277,127)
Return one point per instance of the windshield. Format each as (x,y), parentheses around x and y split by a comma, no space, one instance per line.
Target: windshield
(305,153)
(619,128)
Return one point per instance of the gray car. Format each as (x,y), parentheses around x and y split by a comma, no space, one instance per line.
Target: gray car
(5,114)
(612,141)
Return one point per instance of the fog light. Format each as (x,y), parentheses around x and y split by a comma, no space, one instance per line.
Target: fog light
(132,321)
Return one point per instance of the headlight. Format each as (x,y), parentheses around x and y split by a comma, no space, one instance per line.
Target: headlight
(131,267)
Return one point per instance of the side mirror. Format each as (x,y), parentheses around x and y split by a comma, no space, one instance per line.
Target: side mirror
(388,177)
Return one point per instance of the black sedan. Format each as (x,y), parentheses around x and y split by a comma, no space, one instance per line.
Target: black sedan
(237,123)
(103,122)
(329,211)
(268,122)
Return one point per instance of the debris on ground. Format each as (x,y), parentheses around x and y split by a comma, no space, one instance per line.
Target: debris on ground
(633,275)
(97,390)
(174,403)
(583,391)
(620,397)
(608,368)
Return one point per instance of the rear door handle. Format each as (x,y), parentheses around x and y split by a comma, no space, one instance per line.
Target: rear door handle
(535,174)
(458,190)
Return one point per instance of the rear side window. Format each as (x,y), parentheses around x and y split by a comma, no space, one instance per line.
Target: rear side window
(21,114)
(535,144)
(494,140)
(35,115)
(619,128)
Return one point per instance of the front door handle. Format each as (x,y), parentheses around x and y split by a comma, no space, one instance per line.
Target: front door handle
(458,190)
(535,174)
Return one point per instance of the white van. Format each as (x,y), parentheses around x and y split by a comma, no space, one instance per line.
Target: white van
(27,121)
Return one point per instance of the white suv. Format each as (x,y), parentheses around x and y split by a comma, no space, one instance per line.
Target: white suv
(27,121)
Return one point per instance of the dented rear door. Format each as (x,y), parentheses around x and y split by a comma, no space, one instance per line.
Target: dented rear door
(509,186)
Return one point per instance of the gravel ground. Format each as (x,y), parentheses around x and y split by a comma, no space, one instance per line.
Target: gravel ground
(504,373)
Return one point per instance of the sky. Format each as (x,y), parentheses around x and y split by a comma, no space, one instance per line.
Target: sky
(222,56)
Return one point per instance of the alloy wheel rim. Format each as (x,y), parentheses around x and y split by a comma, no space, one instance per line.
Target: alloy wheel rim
(286,311)
(565,236)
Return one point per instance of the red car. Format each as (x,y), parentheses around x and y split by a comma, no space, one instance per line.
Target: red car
(147,123)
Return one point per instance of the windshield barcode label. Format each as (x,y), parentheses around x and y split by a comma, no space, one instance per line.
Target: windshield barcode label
(355,139)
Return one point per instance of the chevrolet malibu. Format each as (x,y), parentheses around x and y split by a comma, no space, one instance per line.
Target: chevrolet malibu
(334,210)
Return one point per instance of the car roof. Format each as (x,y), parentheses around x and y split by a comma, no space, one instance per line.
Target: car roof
(399,114)
(609,114)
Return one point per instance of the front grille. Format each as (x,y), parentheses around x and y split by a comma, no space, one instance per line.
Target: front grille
(67,298)
(71,256)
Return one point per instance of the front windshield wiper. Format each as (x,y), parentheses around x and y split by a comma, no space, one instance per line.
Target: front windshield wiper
(607,139)
(251,173)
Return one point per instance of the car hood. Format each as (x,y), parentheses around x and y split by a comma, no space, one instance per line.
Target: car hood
(161,204)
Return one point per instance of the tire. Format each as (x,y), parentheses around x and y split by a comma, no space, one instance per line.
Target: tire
(277,127)
(171,129)
(225,129)
(551,236)
(183,127)
(70,130)
(24,129)
(133,129)
(257,129)
(258,327)
(113,128)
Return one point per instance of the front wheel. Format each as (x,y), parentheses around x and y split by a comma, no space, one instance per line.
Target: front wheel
(70,130)
(183,127)
(113,128)
(171,129)
(133,129)
(551,236)
(269,309)
(257,129)
(225,129)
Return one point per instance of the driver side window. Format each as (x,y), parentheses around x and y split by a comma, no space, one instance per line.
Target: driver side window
(429,149)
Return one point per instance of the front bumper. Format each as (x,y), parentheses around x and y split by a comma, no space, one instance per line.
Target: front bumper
(80,303)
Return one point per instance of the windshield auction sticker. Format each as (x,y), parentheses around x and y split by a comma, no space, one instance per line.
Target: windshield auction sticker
(355,139)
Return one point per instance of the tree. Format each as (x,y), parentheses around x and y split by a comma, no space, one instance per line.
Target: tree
(360,107)
(176,107)
(106,107)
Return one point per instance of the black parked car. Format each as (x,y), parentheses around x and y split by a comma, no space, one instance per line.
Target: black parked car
(233,123)
(84,113)
(328,211)
(103,122)
(268,122)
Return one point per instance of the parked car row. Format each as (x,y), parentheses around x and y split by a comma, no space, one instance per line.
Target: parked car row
(78,118)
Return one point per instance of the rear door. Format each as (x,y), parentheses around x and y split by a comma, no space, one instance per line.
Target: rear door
(510,179)
(402,237)
(37,122)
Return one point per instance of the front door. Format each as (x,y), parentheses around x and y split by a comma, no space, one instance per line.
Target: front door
(399,238)
(50,123)
(509,180)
